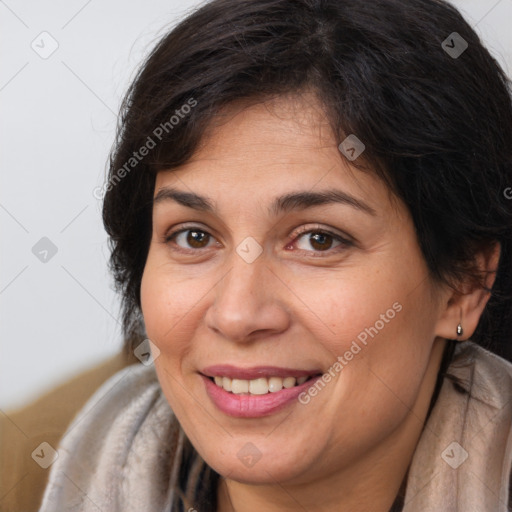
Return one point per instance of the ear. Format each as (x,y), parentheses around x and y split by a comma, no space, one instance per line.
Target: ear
(466,305)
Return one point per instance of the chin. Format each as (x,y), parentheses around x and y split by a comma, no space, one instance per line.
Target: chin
(249,469)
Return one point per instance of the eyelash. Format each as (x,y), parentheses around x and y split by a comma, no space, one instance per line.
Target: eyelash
(344,242)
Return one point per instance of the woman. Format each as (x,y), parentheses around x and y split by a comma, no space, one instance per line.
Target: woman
(310,228)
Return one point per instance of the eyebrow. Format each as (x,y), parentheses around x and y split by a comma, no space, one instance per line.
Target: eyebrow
(283,204)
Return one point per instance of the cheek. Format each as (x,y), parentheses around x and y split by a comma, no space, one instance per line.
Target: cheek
(378,325)
(384,359)
(381,345)
(169,303)
(348,306)
(168,309)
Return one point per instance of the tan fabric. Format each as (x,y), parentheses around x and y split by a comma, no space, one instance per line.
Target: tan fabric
(116,455)
(463,460)
(22,480)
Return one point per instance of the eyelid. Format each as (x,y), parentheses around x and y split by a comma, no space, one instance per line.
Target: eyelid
(317,228)
(343,238)
(171,233)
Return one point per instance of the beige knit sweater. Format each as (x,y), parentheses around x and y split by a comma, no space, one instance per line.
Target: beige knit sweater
(116,457)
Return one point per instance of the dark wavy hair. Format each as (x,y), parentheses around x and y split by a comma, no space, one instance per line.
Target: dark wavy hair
(437,126)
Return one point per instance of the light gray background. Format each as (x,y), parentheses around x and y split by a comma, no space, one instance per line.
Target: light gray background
(57,123)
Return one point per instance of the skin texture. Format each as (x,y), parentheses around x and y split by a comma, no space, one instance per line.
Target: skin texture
(300,304)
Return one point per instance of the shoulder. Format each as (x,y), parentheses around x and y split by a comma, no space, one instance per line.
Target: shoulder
(127,396)
(118,441)
(486,376)
(463,458)
(44,420)
(135,383)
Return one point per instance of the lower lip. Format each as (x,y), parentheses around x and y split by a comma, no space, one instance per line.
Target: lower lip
(254,406)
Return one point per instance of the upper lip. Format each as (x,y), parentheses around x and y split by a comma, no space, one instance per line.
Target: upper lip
(255,372)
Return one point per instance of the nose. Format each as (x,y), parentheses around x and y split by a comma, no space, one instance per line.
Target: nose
(248,302)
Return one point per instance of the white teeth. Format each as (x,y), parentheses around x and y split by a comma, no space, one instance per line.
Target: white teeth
(239,386)
(289,382)
(260,386)
(226,383)
(275,384)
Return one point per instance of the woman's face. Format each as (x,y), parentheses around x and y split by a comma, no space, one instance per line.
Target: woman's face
(273,258)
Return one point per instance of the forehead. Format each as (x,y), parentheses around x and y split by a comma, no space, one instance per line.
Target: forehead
(292,127)
(269,148)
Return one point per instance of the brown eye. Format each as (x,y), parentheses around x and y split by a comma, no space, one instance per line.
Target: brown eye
(197,239)
(190,239)
(320,241)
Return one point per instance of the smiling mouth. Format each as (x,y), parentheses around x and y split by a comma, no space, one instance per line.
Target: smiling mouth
(259,386)
(255,392)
